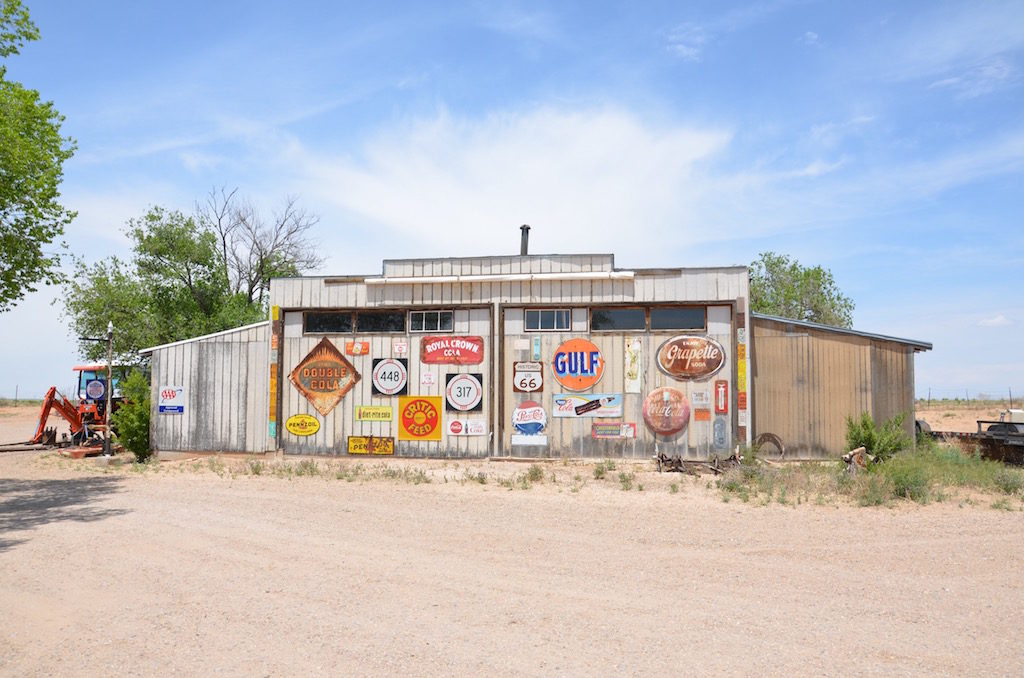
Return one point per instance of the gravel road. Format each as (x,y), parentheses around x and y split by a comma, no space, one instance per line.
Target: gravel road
(188,571)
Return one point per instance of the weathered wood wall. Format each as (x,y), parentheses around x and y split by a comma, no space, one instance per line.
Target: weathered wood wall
(807,381)
(226,386)
(569,436)
(484,302)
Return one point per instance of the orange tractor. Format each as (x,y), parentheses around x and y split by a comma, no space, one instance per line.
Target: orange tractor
(87,419)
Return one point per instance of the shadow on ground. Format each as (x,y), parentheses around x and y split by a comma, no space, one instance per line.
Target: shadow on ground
(27,504)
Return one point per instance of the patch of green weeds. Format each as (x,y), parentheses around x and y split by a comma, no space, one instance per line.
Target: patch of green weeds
(673,488)
(535,474)
(626,481)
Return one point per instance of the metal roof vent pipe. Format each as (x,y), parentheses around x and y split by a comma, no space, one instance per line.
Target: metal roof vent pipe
(524,243)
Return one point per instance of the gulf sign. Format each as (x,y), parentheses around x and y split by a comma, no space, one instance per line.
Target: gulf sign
(578,364)
(690,357)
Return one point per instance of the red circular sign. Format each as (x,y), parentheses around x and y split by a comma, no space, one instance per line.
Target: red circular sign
(420,418)
(455,427)
(666,410)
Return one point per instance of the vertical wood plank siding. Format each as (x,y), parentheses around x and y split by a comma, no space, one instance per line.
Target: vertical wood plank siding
(485,301)
(808,381)
(226,392)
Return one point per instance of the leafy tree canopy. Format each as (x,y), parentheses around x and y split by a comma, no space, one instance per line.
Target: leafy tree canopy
(180,282)
(781,286)
(32,152)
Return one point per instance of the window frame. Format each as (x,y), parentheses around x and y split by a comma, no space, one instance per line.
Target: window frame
(423,315)
(701,328)
(554,319)
(642,309)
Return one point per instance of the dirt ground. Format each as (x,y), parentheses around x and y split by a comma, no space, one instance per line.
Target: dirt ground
(187,568)
(955,416)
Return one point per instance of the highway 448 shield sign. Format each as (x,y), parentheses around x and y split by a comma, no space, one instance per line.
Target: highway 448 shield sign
(390,376)
(465,392)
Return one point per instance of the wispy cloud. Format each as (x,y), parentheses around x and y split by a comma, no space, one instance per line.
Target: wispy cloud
(995,321)
(687,40)
(811,39)
(971,49)
(983,78)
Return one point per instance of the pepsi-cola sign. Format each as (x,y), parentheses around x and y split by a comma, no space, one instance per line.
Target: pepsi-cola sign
(529,418)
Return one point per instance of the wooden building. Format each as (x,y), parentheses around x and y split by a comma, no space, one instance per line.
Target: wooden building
(562,350)
(523,356)
(809,378)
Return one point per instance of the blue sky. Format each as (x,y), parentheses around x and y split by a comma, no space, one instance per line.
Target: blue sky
(884,141)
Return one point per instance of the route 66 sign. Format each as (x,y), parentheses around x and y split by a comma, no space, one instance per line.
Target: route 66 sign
(527,377)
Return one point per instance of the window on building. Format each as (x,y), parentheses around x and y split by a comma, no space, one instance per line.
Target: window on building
(678,318)
(380,321)
(547,319)
(431,321)
(327,322)
(605,319)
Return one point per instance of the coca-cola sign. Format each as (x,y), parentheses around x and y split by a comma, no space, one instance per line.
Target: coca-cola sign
(690,357)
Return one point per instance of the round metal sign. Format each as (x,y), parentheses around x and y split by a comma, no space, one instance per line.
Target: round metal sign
(464,392)
(95,389)
(666,410)
(578,364)
(390,376)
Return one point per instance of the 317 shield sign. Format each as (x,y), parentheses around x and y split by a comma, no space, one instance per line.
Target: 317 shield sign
(464,392)
(390,376)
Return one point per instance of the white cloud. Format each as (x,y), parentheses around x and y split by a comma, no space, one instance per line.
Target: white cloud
(587,181)
(995,321)
(811,39)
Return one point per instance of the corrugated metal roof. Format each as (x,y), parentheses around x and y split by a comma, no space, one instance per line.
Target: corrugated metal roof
(914,343)
(148,351)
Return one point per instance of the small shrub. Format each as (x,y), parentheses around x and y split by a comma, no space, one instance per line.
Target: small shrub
(626,481)
(673,488)
(600,470)
(132,418)
(307,467)
(873,489)
(1009,481)
(909,479)
(254,466)
(882,442)
(535,473)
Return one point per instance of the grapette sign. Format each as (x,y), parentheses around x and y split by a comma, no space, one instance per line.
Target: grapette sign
(452,350)
(690,357)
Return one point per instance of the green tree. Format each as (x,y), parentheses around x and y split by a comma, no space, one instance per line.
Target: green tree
(32,153)
(177,285)
(781,286)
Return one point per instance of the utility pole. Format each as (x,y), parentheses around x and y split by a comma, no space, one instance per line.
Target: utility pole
(110,386)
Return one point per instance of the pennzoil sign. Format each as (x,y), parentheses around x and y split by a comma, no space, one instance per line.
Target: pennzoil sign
(324,376)
(688,357)
(302,424)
